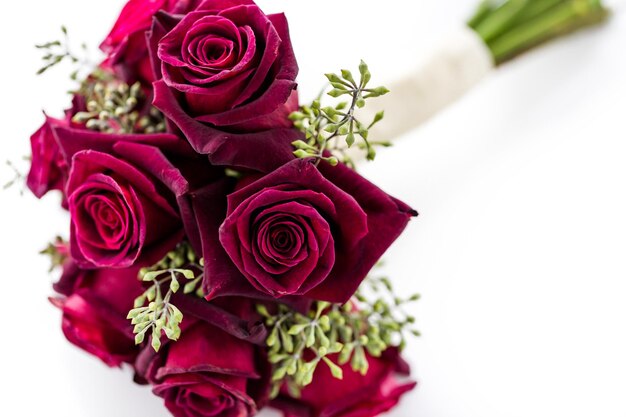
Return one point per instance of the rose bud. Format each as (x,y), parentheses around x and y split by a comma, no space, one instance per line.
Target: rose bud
(48,170)
(355,395)
(227,80)
(126,45)
(298,231)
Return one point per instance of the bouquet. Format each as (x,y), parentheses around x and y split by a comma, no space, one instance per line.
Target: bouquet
(220,241)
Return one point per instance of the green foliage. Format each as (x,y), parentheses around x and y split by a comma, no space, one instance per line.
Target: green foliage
(57,257)
(58,51)
(115,107)
(331,130)
(160,317)
(369,324)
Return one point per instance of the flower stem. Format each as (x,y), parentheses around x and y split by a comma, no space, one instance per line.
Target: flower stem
(516,26)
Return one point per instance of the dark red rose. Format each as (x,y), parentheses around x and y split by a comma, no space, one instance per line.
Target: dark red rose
(297,231)
(48,170)
(355,396)
(227,70)
(126,193)
(94,312)
(126,44)
(208,372)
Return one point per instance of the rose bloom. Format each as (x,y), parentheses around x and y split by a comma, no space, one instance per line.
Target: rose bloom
(125,194)
(355,396)
(226,77)
(48,169)
(125,45)
(95,309)
(208,372)
(298,231)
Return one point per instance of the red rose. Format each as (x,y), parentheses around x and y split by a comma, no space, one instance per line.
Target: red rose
(354,396)
(227,70)
(300,230)
(210,373)
(94,312)
(126,193)
(48,169)
(126,44)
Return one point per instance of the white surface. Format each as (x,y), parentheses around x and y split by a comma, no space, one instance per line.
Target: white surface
(518,252)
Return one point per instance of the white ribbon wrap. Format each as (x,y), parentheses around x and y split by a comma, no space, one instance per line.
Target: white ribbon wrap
(459,63)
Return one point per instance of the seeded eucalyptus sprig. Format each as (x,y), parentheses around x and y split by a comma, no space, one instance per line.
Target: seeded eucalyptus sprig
(115,107)
(331,130)
(160,316)
(18,178)
(371,323)
(59,51)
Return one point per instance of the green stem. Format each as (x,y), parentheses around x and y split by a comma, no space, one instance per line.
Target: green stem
(556,21)
(500,19)
(484,9)
(535,8)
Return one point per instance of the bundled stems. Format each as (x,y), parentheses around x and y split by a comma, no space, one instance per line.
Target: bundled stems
(511,27)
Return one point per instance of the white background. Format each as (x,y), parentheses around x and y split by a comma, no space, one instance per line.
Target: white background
(519,251)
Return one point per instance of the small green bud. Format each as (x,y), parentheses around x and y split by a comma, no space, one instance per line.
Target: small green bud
(335,92)
(347,75)
(297,329)
(262,310)
(333,161)
(156,342)
(177,315)
(139,338)
(174,285)
(272,338)
(335,370)
(151,275)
